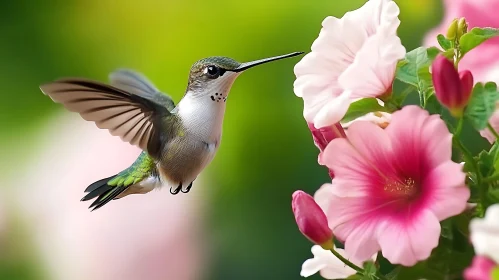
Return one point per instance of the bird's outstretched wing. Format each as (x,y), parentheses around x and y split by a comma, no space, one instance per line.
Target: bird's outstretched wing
(125,114)
(138,84)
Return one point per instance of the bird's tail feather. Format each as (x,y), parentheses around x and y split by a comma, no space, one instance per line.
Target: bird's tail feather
(103,191)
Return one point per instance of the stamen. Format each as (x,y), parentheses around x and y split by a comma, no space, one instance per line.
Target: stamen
(406,187)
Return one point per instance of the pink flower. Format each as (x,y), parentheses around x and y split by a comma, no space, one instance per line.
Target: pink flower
(393,186)
(363,43)
(480,269)
(452,89)
(310,219)
(152,236)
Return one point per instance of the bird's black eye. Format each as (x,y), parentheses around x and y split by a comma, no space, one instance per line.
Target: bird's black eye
(212,71)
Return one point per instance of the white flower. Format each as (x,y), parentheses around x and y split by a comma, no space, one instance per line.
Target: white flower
(330,267)
(381,119)
(485,234)
(353,57)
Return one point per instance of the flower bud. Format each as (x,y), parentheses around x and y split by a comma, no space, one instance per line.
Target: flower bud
(311,220)
(462,27)
(324,135)
(452,30)
(481,269)
(452,89)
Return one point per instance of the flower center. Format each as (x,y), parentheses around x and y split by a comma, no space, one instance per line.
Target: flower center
(401,188)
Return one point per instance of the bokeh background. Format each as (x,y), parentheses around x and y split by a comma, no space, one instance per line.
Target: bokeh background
(236,223)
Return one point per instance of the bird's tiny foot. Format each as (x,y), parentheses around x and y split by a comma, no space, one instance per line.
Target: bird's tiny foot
(176,190)
(188,188)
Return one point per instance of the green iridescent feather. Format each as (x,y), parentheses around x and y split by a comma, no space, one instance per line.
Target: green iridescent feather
(139,170)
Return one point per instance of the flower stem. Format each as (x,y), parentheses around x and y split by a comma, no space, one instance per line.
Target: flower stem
(347,262)
(459,127)
(468,158)
(494,132)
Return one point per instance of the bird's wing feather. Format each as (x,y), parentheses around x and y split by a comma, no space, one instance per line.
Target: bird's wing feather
(124,114)
(138,84)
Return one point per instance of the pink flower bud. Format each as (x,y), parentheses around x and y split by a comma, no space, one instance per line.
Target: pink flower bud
(311,220)
(480,269)
(452,89)
(324,135)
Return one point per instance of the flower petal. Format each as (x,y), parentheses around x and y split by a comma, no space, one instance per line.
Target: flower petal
(322,196)
(329,266)
(375,62)
(449,193)
(353,175)
(485,233)
(373,144)
(352,223)
(408,242)
(426,142)
(333,111)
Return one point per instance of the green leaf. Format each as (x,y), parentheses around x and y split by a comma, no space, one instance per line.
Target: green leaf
(482,104)
(361,107)
(407,70)
(370,271)
(414,70)
(488,160)
(445,43)
(475,37)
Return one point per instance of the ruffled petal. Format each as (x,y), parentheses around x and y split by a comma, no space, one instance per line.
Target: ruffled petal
(333,111)
(411,241)
(449,194)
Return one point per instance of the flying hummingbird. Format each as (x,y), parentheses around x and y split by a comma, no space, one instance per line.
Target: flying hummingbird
(177,142)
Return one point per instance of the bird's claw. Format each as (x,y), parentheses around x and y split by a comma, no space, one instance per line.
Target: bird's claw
(187,189)
(176,190)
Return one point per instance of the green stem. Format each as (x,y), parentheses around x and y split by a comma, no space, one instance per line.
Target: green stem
(494,132)
(459,128)
(347,262)
(422,99)
(468,158)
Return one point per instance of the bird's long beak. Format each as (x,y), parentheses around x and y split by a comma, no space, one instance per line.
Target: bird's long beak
(247,65)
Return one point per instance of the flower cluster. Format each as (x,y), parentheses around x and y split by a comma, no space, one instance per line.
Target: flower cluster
(396,194)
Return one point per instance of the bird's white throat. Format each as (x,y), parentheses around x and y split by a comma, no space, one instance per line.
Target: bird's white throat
(202,115)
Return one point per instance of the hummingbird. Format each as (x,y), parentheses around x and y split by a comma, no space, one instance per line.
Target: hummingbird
(177,141)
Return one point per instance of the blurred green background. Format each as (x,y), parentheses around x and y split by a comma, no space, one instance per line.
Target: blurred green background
(267,151)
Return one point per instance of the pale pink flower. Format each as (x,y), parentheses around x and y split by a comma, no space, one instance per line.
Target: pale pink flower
(484,234)
(353,57)
(480,269)
(393,186)
(329,266)
(478,13)
(151,236)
